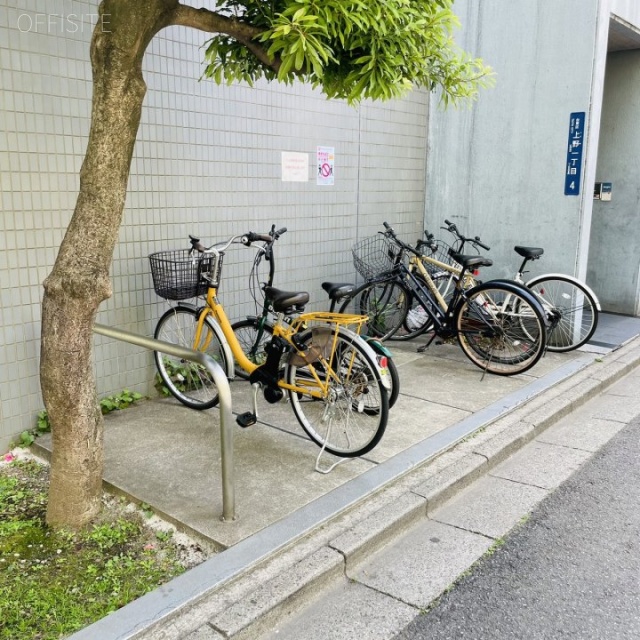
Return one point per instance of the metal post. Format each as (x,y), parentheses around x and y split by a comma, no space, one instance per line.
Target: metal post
(224,391)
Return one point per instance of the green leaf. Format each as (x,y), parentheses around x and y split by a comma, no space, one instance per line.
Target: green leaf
(352,49)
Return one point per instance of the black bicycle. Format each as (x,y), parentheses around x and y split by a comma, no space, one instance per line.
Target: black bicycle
(571,306)
(500,326)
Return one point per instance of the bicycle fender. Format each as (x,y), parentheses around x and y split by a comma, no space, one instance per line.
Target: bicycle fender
(189,306)
(217,329)
(584,285)
(377,346)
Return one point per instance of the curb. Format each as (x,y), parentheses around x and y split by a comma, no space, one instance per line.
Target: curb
(278,583)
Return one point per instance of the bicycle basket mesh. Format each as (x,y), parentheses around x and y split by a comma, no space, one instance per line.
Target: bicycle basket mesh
(440,253)
(177,275)
(374,255)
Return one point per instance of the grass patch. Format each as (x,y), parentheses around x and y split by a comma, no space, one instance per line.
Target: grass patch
(53,583)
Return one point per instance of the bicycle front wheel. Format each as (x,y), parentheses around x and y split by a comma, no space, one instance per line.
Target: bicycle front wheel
(188,381)
(252,339)
(500,330)
(385,303)
(576,307)
(350,417)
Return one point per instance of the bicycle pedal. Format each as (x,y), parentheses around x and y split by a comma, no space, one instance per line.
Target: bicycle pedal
(246,419)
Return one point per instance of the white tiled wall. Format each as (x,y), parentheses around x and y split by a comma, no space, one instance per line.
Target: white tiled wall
(207,162)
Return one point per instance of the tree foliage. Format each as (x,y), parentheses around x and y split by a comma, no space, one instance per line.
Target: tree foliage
(351,49)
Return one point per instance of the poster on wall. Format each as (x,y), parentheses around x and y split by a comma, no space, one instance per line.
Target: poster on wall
(325,160)
(573,169)
(295,166)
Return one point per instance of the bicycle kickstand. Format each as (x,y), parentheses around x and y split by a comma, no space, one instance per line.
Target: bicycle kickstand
(248,418)
(424,347)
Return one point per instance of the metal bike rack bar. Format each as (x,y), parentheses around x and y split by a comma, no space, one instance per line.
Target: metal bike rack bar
(224,391)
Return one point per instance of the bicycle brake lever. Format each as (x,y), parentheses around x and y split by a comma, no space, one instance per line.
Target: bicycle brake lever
(196,245)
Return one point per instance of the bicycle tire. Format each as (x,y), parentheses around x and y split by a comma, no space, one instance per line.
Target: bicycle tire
(500,329)
(351,419)
(385,303)
(246,331)
(189,382)
(577,307)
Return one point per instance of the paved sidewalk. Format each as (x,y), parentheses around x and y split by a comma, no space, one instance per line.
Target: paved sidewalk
(380,595)
(280,550)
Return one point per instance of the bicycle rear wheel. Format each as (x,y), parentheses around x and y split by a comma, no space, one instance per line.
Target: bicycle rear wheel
(500,330)
(188,381)
(385,303)
(350,419)
(576,306)
(252,340)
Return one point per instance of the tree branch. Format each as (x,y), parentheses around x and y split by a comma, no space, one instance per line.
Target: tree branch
(212,22)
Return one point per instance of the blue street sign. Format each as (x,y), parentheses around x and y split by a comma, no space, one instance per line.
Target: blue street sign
(573,169)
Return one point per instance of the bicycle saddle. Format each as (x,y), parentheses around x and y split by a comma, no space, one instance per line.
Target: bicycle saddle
(337,290)
(287,301)
(529,252)
(471,261)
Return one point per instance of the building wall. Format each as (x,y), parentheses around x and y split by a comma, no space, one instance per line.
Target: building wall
(497,169)
(614,254)
(207,162)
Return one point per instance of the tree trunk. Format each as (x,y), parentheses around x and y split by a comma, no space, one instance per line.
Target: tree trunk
(79,281)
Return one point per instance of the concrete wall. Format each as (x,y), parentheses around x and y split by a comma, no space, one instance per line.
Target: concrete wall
(498,168)
(207,162)
(614,254)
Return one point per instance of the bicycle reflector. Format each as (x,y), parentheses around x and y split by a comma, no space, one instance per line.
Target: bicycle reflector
(383,362)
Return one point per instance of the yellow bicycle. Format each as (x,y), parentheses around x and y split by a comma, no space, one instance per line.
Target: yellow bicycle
(336,386)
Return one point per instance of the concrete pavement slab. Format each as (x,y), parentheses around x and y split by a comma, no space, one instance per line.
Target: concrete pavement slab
(490,506)
(612,407)
(589,433)
(369,615)
(629,386)
(444,382)
(412,420)
(541,465)
(432,553)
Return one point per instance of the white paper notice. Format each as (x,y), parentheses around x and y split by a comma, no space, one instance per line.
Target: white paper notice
(295,166)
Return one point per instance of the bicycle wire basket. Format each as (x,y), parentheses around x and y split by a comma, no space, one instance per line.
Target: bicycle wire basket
(178,275)
(442,253)
(374,255)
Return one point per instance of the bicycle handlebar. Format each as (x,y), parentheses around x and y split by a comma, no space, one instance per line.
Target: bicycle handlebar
(401,243)
(269,238)
(451,227)
(246,239)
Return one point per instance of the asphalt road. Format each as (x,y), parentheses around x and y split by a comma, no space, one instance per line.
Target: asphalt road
(572,570)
